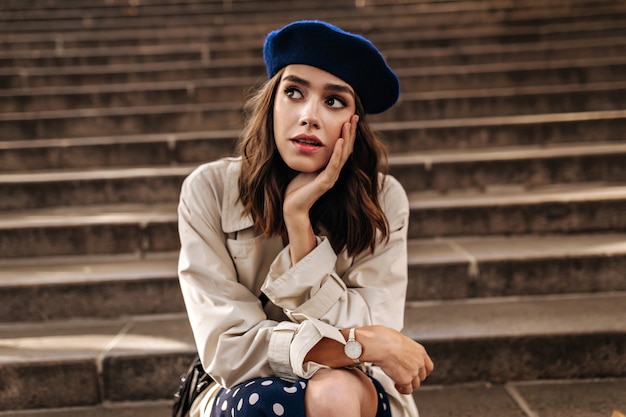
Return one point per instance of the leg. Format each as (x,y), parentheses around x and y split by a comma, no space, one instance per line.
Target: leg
(341,393)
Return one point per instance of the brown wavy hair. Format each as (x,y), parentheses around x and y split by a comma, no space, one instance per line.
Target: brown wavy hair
(349,213)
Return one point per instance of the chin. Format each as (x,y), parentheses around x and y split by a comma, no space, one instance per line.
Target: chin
(305,166)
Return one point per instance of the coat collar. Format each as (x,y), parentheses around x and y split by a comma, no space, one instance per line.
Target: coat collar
(233,219)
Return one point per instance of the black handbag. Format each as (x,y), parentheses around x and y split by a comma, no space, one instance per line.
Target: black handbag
(192,383)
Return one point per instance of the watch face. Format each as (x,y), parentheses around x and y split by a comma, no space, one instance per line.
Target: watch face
(353,349)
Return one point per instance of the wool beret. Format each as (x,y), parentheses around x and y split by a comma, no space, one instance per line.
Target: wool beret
(346,55)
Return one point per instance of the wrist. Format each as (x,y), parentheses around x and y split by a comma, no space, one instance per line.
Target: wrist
(301,237)
(297,221)
(370,340)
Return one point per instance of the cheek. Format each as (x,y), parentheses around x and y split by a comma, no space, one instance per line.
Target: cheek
(336,127)
(282,116)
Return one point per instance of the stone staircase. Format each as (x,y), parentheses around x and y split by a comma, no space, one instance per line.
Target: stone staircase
(509,138)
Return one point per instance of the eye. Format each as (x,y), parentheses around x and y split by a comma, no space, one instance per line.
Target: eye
(293,93)
(335,102)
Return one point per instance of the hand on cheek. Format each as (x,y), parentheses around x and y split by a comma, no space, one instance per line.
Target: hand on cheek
(316,185)
(348,134)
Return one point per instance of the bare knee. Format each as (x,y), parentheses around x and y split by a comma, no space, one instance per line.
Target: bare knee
(340,392)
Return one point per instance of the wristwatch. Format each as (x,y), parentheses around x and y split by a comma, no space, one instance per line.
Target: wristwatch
(353,349)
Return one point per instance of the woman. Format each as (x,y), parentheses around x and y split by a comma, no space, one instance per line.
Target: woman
(293,260)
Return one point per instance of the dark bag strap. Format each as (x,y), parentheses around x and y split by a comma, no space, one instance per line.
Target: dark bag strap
(192,383)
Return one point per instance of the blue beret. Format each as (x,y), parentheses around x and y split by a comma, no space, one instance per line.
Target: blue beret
(346,55)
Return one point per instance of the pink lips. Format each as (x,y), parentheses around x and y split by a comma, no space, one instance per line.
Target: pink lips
(307,143)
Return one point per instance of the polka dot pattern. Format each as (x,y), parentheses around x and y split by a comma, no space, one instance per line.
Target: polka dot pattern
(274,397)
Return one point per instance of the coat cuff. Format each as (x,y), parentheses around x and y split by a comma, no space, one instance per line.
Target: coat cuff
(290,343)
(279,347)
(310,332)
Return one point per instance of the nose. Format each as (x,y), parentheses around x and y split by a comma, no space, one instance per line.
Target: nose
(310,115)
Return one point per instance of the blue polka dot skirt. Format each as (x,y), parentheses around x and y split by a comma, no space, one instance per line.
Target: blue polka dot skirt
(274,397)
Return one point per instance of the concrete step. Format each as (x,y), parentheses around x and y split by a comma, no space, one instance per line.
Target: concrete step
(87,362)
(457,28)
(139,45)
(588,397)
(442,171)
(143,228)
(74,287)
(78,287)
(516,74)
(431,139)
(485,102)
(147,10)
(111,56)
(83,363)
(413,78)
(523,11)
(517,130)
(602,23)
(177,70)
(417,168)
(90,230)
(504,339)
(79,188)
(244,5)
(158,408)
(231,95)
(591,397)
(130,73)
(116,151)
(528,166)
(421,134)
(118,120)
(431,14)
(549,50)
(465,267)
(228,92)
(147,41)
(571,208)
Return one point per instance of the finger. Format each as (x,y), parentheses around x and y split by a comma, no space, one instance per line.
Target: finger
(330,174)
(345,135)
(404,389)
(430,365)
(416,383)
(422,374)
(354,122)
(348,134)
(351,135)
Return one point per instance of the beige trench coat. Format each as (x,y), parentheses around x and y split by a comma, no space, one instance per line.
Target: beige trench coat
(224,267)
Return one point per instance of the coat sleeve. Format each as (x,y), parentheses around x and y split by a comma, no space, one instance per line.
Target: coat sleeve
(230,328)
(371,290)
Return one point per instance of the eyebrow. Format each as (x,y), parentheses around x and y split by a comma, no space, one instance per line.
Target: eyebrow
(328,86)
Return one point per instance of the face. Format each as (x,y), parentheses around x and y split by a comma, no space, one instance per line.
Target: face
(310,108)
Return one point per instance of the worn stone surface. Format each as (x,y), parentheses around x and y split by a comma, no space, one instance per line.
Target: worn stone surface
(35,385)
(129,374)
(61,364)
(596,398)
(565,398)
(566,209)
(141,409)
(475,400)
